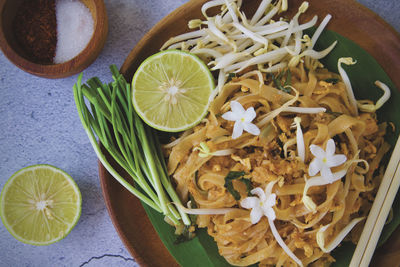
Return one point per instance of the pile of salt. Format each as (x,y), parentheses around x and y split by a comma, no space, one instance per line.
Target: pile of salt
(74,29)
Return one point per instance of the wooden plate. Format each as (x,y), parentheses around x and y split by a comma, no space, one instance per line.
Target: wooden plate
(350,19)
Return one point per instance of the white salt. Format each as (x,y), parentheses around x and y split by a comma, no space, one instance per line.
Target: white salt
(74,29)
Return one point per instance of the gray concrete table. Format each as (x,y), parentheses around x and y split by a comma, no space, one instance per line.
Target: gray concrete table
(39,124)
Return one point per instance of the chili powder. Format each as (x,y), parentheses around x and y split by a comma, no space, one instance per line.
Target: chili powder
(35,28)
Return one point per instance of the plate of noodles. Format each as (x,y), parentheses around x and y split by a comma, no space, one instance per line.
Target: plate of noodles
(307,118)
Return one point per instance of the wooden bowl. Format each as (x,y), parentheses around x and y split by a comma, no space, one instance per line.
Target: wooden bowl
(350,19)
(13,51)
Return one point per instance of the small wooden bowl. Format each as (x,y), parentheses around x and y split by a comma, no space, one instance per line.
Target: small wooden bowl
(13,51)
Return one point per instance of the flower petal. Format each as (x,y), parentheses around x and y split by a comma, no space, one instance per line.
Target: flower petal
(237,129)
(250,202)
(237,108)
(251,128)
(249,115)
(317,151)
(269,212)
(271,200)
(314,167)
(336,160)
(255,215)
(330,147)
(338,175)
(326,173)
(259,192)
(230,116)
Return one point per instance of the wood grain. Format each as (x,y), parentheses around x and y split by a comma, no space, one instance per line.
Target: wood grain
(350,19)
(18,57)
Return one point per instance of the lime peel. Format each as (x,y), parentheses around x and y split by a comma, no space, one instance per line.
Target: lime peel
(171,90)
(40,204)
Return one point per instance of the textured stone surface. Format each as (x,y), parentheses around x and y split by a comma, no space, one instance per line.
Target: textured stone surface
(389,10)
(39,124)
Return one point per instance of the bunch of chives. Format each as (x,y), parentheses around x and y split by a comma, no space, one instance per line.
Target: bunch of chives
(108,114)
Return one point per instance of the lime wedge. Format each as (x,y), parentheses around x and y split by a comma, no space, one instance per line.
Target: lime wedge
(171,90)
(40,204)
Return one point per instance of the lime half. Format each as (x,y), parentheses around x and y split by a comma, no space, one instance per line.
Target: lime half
(40,204)
(171,90)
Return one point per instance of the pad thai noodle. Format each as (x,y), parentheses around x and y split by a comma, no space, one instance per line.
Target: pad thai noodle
(287,162)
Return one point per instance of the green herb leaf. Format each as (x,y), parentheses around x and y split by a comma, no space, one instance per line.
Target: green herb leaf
(280,84)
(332,80)
(231,76)
(234,193)
(232,175)
(288,80)
(336,114)
(248,184)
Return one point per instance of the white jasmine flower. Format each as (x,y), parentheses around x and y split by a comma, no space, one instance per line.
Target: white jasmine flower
(263,205)
(260,206)
(242,119)
(324,160)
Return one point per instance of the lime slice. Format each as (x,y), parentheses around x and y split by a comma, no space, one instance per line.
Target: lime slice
(40,204)
(171,90)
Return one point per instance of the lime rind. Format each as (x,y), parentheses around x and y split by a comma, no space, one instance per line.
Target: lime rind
(70,226)
(199,115)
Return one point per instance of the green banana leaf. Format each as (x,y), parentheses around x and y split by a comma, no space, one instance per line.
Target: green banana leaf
(202,251)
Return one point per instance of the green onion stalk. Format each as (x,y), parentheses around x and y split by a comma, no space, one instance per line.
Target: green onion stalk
(108,114)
